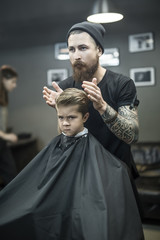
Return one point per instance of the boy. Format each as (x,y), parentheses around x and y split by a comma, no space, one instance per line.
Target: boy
(72,112)
(73,189)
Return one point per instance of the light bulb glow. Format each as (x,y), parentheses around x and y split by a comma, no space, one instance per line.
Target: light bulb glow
(105,17)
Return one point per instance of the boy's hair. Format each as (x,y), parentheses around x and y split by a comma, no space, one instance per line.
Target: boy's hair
(73,96)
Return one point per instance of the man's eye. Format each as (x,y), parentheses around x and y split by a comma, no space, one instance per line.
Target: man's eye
(83,48)
(71,49)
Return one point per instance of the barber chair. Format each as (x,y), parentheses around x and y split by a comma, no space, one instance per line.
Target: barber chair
(147,159)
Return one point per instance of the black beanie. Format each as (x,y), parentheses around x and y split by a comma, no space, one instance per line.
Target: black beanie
(95,30)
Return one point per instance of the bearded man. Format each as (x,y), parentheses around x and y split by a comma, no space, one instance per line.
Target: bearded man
(113,109)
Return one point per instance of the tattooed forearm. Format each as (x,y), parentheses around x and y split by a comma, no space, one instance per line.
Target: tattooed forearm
(109,115)
(123,124)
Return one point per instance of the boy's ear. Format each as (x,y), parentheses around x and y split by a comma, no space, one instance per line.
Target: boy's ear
(85,117)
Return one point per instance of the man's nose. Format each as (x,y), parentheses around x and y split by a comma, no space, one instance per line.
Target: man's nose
(77,55)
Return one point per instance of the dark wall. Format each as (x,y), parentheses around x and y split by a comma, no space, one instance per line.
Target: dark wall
(28,111)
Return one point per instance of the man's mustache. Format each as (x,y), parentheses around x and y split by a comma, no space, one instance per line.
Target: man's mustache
(79,64)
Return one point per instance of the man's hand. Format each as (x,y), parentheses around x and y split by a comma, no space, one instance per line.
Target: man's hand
(50,95)
(95,95)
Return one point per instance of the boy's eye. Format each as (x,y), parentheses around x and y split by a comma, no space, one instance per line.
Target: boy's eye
(71,117)
(60,118)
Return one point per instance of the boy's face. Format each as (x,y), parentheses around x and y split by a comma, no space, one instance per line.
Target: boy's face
(70,121)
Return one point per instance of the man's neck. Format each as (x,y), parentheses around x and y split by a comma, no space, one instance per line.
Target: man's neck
(100,73)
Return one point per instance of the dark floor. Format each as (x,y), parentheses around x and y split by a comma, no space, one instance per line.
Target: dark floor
(151,232)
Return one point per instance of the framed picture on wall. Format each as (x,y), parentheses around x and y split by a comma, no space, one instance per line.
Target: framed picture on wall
(141,42)
(143,76)
(61,51)
(56,75)
(110,57)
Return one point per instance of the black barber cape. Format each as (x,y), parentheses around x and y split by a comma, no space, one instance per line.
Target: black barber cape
(73,189)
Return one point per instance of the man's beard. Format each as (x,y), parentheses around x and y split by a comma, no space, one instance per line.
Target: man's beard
(81,72)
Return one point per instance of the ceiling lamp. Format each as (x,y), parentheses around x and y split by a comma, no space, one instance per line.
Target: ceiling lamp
(103,14)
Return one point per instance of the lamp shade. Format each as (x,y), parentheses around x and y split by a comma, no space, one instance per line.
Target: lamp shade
(103,14)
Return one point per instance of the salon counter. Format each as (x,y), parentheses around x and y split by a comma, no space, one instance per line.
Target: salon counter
(24,151)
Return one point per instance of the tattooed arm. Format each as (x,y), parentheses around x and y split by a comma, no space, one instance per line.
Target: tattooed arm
(123,124)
